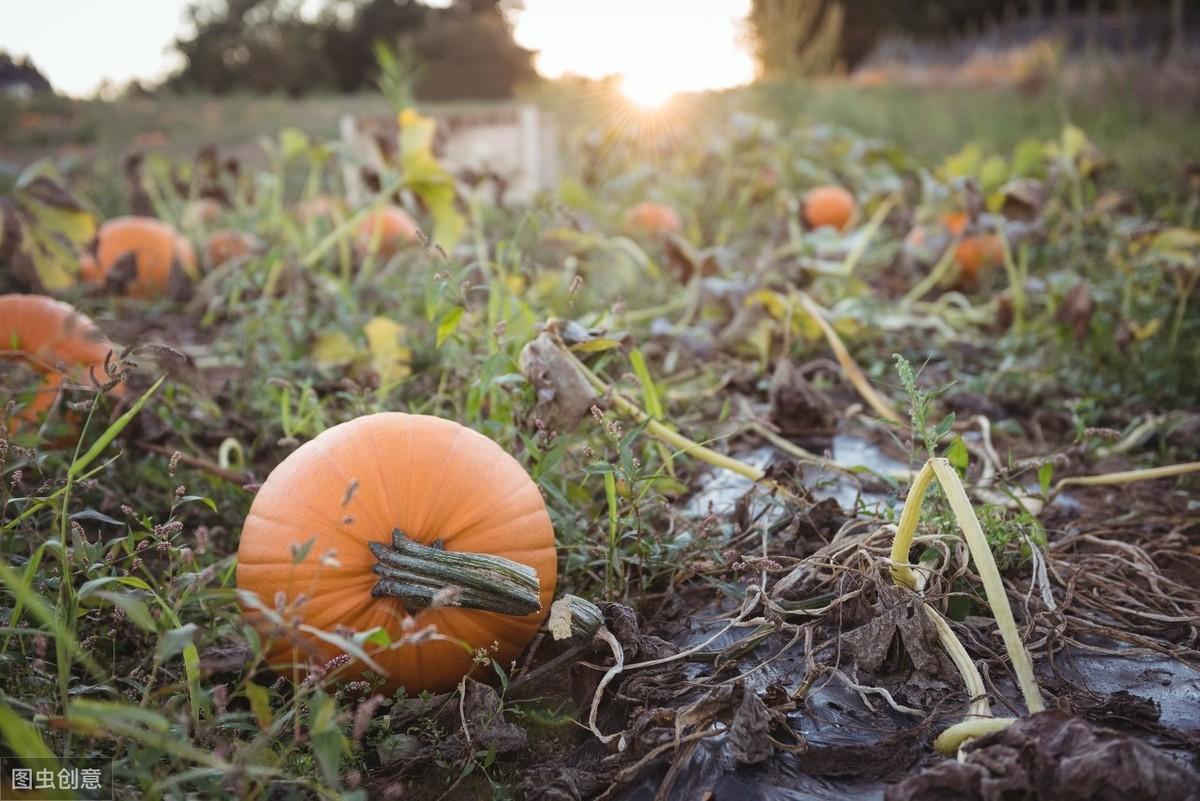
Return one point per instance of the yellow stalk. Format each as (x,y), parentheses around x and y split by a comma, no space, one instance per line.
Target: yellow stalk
(940,270)
(1129,476)
(948,741)
(985,564)
(901,571)
(849,367)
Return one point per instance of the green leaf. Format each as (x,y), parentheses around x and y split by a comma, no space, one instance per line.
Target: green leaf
(110,433)
(89,588)
(112,711)
(22,737)
(326,736)
(171,643)
(958,455)
(1044,474)
(133,607)
(260,704)
(292,142)
(448,324)
(944,427)
(649,393)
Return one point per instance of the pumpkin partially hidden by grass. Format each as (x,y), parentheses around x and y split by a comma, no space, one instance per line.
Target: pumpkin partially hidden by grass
(657,219)
(53,340)
(386,231)
(829,206)
(141,257)
(977,253)
(227,245)
(400,522)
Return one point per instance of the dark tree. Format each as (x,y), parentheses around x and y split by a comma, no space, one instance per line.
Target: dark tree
(264,46)
(21,72)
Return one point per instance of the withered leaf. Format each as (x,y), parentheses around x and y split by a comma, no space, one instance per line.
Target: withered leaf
(563,395)
(1052,755)
(749,740)
(1077,309)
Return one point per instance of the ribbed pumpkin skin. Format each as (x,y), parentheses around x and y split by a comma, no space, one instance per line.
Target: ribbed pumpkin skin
(389,229)
(429,477)
(829,205)
(52,338)
(156,245)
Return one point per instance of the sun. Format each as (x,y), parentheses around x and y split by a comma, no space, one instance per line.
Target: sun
(648,91)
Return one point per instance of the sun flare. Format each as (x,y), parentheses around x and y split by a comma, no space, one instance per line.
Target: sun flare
(648,91)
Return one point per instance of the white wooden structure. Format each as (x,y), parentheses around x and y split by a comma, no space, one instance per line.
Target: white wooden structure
(508,149)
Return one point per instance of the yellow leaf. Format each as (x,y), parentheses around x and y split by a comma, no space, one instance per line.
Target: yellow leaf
(595,345)
(390,357)
(773,302)
(334,349)
(1143,332)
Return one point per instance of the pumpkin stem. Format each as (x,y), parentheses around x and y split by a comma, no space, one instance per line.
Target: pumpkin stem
(427,575)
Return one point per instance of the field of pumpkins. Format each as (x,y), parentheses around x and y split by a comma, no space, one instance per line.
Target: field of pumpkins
(769,463)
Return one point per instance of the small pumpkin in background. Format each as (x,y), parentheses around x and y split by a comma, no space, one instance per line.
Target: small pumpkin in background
(53,340)
(226,245)
(386,231)
(141,256)
(831,206)
(398,521)
(654,219)
(978,253)
(975,253)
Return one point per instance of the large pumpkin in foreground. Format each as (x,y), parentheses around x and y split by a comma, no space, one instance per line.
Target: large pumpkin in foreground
(416,521)
(57,342)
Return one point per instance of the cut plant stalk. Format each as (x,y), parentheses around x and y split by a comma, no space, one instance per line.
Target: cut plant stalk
(989,574)
(420,575)
(849,367)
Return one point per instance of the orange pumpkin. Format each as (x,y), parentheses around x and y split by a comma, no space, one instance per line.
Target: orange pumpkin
(157,256)
(829,205)
(55,341)
(977,253)
(656,219)
(226,245)
(386,231)
(401,510)
(955,222)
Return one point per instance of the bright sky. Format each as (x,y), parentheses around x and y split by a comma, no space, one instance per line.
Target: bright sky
(78,43)
(660,46)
